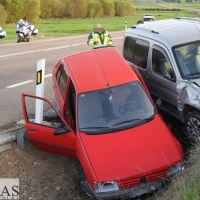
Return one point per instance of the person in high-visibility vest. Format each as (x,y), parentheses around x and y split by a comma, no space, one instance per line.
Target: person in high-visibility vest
(99,37)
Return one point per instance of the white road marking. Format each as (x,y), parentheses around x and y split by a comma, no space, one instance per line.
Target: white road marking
(54,48)
(25,82)
(54,39)
(18,84)
(47,75)
(49,49)
(46,40)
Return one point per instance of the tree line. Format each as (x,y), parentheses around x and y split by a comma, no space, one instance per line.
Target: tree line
(13,10)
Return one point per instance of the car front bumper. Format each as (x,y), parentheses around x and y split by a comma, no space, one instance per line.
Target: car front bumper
(128,192)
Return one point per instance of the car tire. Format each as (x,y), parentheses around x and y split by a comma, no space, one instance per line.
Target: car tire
(80,179)
(192,125)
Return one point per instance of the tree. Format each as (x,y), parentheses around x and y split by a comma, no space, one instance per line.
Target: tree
(3,15)
(124,8)
(13,9)
(95,9)
(108,8)
(45,6)
(31,9)
(78,9)
(57,8)
(66,4)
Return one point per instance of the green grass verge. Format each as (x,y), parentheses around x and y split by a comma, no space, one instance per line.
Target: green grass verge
(51,28)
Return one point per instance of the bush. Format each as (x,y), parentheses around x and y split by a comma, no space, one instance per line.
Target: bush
(3,15)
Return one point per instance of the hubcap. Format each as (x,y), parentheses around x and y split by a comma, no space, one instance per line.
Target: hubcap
(193,128)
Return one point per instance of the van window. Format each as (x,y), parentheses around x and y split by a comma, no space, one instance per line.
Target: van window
(62,78)
(140,55)
(161,64)
(128,49)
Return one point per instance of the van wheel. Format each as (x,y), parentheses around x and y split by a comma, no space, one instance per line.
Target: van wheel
(192,125)
(81,179)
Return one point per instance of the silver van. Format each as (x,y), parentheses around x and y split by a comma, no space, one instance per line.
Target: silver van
(167,55)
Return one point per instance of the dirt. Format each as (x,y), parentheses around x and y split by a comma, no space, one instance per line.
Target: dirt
(45,176)
(42,176)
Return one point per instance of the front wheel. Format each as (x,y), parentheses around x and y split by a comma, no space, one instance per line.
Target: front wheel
(192,125)
(81,182)
(18,39)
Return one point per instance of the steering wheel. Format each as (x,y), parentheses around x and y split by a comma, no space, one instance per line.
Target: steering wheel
(130,105)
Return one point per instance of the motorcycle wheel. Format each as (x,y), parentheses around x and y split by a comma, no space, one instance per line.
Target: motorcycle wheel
(18,39)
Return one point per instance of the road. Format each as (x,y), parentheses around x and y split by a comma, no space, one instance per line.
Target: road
(18,64)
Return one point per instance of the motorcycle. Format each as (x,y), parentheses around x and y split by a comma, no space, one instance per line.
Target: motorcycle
(25,31)
(2,33)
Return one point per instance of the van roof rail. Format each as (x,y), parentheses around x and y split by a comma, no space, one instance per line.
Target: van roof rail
(189,18)
(142,28)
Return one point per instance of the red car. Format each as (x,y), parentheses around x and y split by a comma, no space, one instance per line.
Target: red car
(105,118)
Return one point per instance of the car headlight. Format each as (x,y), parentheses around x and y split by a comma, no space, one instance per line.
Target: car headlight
(174,169)
(105,186)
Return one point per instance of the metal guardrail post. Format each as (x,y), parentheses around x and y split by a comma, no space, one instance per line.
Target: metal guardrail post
(7,137)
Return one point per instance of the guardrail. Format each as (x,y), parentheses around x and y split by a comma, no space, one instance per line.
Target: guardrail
(9,136)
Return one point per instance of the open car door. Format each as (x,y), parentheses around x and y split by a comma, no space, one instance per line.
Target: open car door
(48,132)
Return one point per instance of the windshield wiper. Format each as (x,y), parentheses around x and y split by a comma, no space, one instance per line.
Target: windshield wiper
(137,119)
(103,128)
(194,74)
(95,127)
(128,121)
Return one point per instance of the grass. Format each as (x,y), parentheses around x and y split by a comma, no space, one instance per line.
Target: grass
(185,186)
(51,28)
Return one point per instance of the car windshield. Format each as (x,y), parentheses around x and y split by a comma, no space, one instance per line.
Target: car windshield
(188,58)
(114,109)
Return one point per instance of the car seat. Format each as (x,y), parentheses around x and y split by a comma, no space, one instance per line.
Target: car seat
(90,110)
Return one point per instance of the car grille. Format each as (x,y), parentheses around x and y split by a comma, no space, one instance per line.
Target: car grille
(149,178)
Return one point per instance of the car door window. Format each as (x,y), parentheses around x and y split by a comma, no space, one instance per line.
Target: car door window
(140,55)
(128,48)
(161,64)
(43,115)
(62,78)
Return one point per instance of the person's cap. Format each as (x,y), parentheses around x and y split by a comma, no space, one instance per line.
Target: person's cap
(24,18)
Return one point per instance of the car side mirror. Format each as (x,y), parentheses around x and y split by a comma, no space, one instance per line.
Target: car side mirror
(61,130)
(169,74)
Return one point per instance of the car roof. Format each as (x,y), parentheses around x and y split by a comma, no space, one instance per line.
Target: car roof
(97,69)
(170,32)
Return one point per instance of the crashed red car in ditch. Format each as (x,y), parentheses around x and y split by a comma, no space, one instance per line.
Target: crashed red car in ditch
(106,119)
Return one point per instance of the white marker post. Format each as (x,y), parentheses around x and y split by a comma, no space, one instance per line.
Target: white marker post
(39,91)
(125,25)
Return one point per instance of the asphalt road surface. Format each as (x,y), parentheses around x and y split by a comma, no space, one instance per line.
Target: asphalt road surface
(18,66)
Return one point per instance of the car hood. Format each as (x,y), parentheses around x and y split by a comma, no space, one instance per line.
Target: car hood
(147,148)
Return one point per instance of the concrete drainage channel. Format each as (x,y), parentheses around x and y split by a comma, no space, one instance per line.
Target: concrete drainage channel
(17,135)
